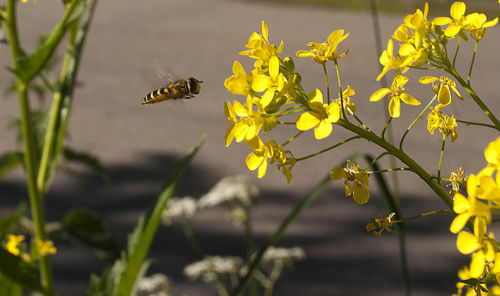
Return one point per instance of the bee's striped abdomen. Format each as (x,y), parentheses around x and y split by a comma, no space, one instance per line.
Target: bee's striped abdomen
(156,96)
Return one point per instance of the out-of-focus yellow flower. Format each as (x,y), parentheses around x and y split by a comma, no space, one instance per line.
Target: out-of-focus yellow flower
(321,52)
(349,106)
(492,155)
(13,243)
(398,94)
(45,247)
(443,122)
(285,162)
(441,86)
(24,1)
(355,183)
(321,117)
(260,48)
(381,225)
(270,84)
(483,247)
(468,207)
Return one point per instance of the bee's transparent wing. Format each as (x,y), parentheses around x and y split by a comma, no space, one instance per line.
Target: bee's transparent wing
(162,73)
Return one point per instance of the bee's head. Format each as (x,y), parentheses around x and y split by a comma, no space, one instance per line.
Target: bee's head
(194,85)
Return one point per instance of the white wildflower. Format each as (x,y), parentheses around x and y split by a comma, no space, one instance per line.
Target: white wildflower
(230,189)
(283,255)
(184,208)
(154,285)
(212,268)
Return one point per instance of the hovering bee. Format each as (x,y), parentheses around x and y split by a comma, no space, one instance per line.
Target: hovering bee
(178,89)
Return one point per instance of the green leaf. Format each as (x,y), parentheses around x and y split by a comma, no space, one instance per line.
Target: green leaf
(19,270)
(9,287)
(10,161)
(303,204)
(141,238)
(30,66)
(87,159)
(87,228)
(10,221)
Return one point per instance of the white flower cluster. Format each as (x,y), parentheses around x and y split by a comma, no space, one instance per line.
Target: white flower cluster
(212,268)
(230,189)
(283,255)
(154,285)
(179,208)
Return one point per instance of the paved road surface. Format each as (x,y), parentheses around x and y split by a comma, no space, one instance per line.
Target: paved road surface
(140,144)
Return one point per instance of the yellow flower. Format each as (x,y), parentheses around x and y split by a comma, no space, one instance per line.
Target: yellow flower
(398,94)
(483,247)
(355,183)
(468,207)
(391,61)
(349,106)
(249,124)
(258,158)
(456,180)
(441,87)
(272,83)
(381,224)
(492,155)
(458,21)
(260,48)
(45,247)
(24,1)
(13,243)
(240,83)
(476,24)
(320,117)
(443,122)
(321,52)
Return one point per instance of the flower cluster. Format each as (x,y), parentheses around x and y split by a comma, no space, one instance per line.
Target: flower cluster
(16,246)
(274,94)
(475,211)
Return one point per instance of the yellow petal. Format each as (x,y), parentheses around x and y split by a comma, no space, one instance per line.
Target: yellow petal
(477,264)
(304,53)
(460,203)
(467,242)
(333,112)
(229,135)
(360,194)
(265,31)
(262,169)
(379,94)
(459,222)
(409,99)
(267,97)
(427,79)
(338,173)
(307,121)
(253,161)
(444,95)
(238,68)
(323,130)
(440,21)
(457,10)
(274,66)
(261,82)
(394,107)
(452,30)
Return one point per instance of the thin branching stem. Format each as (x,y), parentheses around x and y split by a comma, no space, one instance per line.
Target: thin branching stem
(327,82)
(341,95)
(423,215)
(390,170)
(328,149)
(292,138)
(441,155)
(475,123)
(415,121)
(456,51)
(472,62)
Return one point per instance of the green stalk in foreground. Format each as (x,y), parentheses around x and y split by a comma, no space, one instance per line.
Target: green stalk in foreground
(29,150)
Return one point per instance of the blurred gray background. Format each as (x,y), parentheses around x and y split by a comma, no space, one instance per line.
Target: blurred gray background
(140,145)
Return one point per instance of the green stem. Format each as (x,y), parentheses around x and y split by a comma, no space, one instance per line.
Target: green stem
(423,215)
(402,156)
(29,153)
(472,62)
(328,149)
(292,138)
(476,98)
(341,95)
(55,114)
(375,160)
(327,82)
(250,245)
(441,160)
(415,121)
(386,127)
(475,123)
(456,51)
(390,170)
